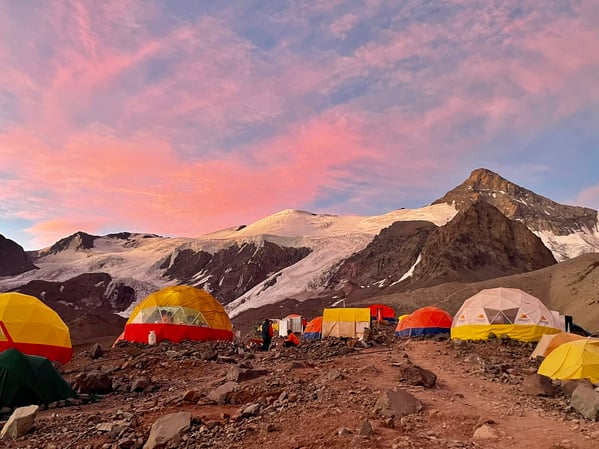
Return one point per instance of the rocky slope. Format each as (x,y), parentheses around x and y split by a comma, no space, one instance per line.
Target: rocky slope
(13,258)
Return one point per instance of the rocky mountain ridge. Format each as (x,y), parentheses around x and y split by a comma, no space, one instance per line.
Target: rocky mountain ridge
(480,230)
(537,212)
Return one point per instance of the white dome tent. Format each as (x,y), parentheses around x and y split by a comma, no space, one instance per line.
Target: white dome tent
(504,312)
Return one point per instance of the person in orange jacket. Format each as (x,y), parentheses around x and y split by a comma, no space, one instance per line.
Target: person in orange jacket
(291,340)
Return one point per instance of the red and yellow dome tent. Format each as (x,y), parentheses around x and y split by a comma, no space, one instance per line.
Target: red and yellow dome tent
(30,326)
(178,313)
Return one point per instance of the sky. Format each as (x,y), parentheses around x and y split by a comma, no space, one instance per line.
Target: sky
(182,117)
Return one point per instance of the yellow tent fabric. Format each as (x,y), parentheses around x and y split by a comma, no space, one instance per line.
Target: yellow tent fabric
(577,359)
(180,298)
(346,322)
(548,343)
(503,311)
(27,324)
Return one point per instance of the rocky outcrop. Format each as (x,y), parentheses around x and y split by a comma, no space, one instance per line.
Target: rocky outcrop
(13,258)
(389,255)
(232,271)
(73,297)
(479,243)
(535,211)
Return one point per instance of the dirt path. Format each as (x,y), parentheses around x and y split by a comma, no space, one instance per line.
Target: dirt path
(465,399)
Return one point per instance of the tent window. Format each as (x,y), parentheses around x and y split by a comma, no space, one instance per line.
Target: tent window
(506,316)
(511,314)
(171,315)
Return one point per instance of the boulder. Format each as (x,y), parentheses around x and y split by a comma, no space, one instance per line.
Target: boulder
(586,401)
(568,386)
(142,383)
(396,404)
(93,382)
(366,429)
(167,430)
(416,376)
(20,422)
(236,374)
(485,432)
(220,395)
(537,385)
(96,351)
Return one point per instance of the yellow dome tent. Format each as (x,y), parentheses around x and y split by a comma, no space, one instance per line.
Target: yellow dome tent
(578,359)
(29,325)
(504,311)
(178,313)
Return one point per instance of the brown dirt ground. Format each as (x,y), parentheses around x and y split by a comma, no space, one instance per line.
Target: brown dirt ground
(465,397)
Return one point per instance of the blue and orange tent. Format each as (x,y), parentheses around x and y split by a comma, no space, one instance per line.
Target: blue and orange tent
(313,330)
(424,321)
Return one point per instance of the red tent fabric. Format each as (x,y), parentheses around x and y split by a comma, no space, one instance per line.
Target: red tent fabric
(380,312)
(427,320)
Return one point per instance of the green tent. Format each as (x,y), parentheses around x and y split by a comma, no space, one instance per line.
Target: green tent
(29,379)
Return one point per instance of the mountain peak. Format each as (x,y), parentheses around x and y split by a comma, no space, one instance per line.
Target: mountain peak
(537,212)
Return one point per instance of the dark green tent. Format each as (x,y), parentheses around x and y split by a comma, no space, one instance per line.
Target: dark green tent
(29,379)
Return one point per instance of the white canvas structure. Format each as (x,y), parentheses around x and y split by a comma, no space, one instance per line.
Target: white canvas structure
(290,322)
(345,322)
(504,311)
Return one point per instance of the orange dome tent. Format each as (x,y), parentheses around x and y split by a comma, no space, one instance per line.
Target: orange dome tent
(29,325)
(178,313)
(313,330)
(424,321)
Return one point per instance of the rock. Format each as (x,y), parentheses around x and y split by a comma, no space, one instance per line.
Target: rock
(96,351)
(396,404)
(93,382)
(221,394)
(416,376)
(333,375)
(366,429)
(485,432)
(343,431)
(209,355)
(568,386)
(20,422)
(236,374)
(250,410)
(133,350)
(537,385)
(192,396)
(167,430)
(142,383)
(586,401)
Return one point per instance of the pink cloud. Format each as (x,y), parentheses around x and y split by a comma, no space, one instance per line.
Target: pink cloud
(90,131)
(588,197)
(98,179)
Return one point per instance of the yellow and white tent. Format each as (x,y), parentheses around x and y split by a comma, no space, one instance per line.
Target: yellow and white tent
(29,325)
(177,313)
(578,359)
(504,311)
(346,322)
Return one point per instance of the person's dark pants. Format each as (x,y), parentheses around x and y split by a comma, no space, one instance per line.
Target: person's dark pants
(266,343)
(289,344)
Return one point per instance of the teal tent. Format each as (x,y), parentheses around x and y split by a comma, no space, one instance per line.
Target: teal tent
(29,379)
